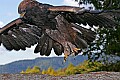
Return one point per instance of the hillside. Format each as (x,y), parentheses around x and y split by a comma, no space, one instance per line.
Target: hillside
(42,62)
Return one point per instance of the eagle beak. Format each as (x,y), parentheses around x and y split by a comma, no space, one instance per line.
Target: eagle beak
(22,14)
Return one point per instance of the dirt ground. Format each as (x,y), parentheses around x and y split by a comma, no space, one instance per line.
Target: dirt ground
(88,76)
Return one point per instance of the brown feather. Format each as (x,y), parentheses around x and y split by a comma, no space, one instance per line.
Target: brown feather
(58,48)
(49,47)
(6,43)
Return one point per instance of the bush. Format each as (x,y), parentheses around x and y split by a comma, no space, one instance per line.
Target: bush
(34,70)
(112,67)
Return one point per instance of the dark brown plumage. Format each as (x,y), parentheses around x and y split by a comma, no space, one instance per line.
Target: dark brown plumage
(56,27)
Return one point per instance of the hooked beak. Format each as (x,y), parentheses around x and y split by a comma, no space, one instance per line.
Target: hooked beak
(22,14)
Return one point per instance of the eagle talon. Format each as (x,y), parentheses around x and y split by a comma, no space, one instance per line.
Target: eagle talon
(76,49)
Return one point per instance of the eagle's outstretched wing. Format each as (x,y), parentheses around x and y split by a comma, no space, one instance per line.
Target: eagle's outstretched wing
(101,18)
(56,27)
(17,35)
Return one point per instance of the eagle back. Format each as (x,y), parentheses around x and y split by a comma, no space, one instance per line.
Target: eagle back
(40,16)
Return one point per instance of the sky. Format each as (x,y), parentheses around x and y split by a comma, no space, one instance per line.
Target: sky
(8,12)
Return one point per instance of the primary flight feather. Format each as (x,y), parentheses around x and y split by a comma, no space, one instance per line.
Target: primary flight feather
(56,27)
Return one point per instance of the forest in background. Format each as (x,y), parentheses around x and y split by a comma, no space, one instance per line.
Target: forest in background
(85,67)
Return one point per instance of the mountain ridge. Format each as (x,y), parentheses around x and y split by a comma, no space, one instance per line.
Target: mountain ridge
(42,62)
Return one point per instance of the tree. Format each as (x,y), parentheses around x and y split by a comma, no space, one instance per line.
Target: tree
(70,69)
(22,72)
(43,71)
(50,71)
(34,70)
(60,72)
(108,40)
(28,70)
(102,4)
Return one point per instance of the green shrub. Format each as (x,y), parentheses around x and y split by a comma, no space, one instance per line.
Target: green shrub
(34,70)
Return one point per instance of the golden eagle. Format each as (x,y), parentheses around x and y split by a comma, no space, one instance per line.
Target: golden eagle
(56,27)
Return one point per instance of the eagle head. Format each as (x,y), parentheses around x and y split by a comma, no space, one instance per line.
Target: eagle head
(26,4)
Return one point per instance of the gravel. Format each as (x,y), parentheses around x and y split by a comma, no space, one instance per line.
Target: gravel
(88,76)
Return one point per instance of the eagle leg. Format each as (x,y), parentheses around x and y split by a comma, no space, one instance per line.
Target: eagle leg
(74,51)
(70,49)
(65,56)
